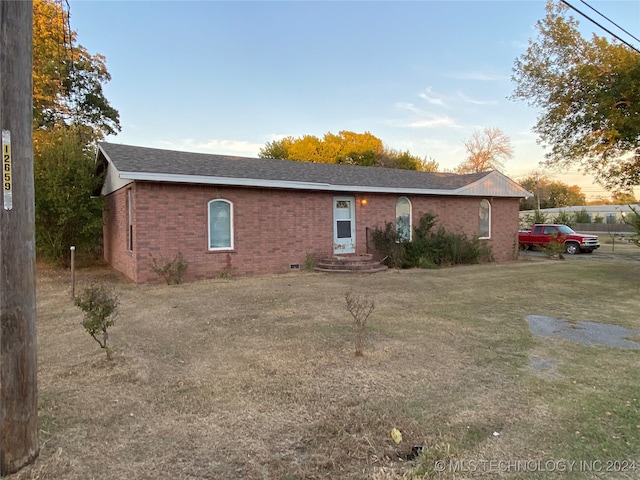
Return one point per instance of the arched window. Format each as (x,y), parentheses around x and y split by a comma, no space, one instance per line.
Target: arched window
(403,218)
(484,221)
(220,225)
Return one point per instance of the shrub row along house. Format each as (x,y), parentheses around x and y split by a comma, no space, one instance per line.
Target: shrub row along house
(239,215)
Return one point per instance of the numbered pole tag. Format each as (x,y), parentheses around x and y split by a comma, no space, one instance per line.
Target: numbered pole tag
(7,182)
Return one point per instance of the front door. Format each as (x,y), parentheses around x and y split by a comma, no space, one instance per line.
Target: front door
(344,225)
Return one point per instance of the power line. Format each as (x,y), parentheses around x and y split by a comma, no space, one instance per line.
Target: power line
(601,26)
(611,21)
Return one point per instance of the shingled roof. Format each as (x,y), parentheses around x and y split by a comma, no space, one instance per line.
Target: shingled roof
(127,163)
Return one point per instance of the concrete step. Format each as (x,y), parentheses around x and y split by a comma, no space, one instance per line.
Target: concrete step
(351,263)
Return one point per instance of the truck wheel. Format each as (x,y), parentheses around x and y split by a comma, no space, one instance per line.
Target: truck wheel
(571,248)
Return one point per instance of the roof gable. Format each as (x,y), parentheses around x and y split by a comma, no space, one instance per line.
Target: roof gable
(129,163)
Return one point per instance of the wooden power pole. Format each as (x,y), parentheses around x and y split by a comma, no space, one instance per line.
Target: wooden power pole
(18,367)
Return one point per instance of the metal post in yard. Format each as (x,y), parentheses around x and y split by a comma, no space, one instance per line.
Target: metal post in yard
(73,271)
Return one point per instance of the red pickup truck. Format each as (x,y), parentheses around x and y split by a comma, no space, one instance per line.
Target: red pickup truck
(541,235)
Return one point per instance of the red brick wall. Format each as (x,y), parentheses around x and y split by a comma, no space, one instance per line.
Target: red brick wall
(273,228)
(456,214)
(116,221)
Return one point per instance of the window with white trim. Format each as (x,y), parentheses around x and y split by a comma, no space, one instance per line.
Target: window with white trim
(220,225)
(403,218)
(484,219)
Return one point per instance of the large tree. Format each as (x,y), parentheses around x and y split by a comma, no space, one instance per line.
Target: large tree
(623,198)
(388,158)
(486,150)
(67,80)
(588,95)
(70,112)
(346,147)
(550,194)
(310,148)
(64,178)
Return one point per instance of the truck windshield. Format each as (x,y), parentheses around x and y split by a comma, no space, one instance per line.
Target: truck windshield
(565,229)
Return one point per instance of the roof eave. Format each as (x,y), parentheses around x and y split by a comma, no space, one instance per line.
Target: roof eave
(284,184)
(494,178)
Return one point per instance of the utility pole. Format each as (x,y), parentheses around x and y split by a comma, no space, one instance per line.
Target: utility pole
(18,366)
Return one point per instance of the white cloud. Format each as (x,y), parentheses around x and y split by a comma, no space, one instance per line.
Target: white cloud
(215,146)
(422,118)
(445,100)
(432,122)
(432,98)
(467,99)
(408,106)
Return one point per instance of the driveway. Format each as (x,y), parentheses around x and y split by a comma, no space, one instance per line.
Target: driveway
(623,252)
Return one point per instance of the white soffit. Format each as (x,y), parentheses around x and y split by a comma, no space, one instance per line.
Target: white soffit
(490,185)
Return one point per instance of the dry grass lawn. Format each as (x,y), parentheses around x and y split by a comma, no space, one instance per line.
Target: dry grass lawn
(256,378)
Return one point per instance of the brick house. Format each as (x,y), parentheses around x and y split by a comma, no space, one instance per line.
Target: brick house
(258,216)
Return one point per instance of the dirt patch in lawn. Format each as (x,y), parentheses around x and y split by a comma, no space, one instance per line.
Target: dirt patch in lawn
(584,333)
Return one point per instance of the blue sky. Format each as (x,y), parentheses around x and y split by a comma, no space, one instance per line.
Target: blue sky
(227,77)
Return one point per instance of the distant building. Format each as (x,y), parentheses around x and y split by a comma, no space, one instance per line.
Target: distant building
(596,218)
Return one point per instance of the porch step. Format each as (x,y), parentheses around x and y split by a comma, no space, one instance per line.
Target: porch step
(352,263)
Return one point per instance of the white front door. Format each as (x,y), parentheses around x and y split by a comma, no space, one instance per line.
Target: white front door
(344,225)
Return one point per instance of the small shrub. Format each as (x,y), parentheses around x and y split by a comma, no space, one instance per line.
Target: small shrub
(310,261)
(582,216)
(553,249)
(360,308)
(227,273)
(532,218)
(564,218)
(172,271)
(389,242)
(100,308)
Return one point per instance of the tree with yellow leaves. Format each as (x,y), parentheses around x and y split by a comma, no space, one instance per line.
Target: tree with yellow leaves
(67,80)
(70,112)
(348,148)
